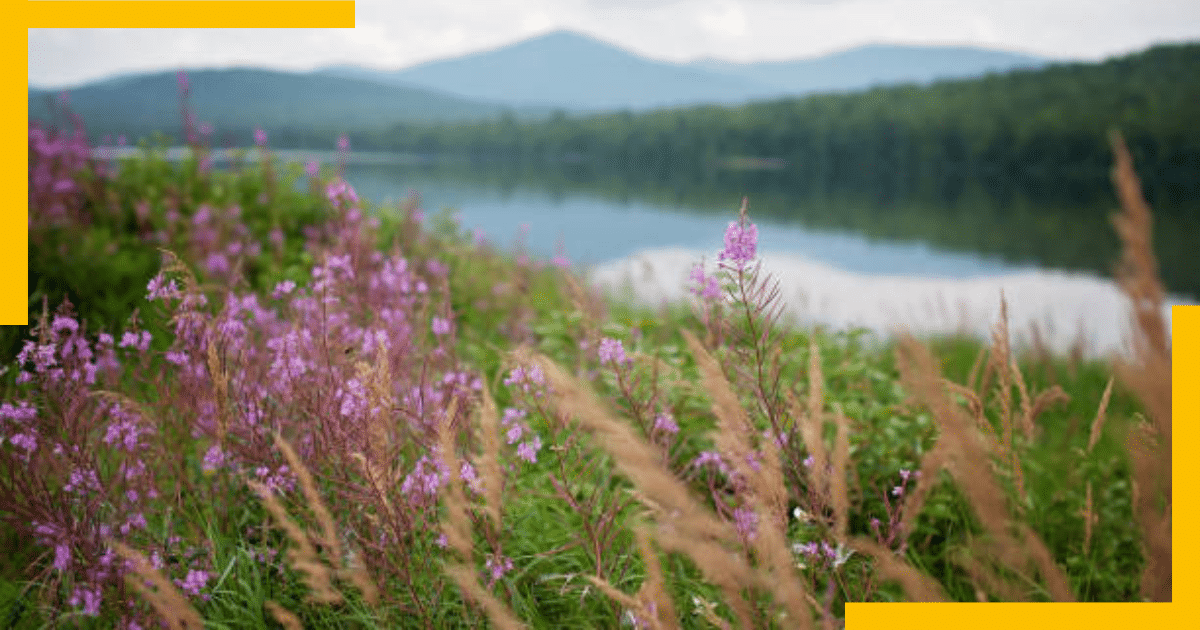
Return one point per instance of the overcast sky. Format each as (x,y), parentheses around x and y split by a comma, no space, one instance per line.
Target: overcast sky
(397,34)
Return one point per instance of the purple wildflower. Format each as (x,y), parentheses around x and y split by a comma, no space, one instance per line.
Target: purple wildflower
(706,286)
(497,566)
(713,459)
(611,351)
(194,582)
(62,557)
(665,422)
(529,378)
(467,473)
(88,599)
(746,521)
(440,326)
(741,242)
(213,458)
(26,441)
(283,288)
(514,433)
(64,324)
(161,288)
(528,449)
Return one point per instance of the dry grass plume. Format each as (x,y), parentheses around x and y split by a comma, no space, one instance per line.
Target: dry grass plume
(1147,374)
(172,606)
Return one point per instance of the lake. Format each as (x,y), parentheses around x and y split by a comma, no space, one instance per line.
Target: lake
(644,242)
(927,257)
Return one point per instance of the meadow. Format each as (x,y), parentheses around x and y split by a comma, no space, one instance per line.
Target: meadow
(263,406)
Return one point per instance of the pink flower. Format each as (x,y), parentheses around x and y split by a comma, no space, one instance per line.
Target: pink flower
(283,288)
(528,449)
(665,422)
(62,557)
(741,242)
(706,286)
(611,351)
(746,521)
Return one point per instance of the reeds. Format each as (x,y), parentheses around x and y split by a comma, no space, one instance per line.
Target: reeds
(456,527)
(173,608)
(319,573)
(1147,375)
(681,523)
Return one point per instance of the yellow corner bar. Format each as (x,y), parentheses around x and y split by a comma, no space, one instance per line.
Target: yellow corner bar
(191,14)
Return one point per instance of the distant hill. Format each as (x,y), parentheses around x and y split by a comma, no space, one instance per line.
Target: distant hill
(237,100)
(574,72)
(874,66)
(580,73)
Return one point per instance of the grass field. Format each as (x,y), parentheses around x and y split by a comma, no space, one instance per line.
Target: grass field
(271,408)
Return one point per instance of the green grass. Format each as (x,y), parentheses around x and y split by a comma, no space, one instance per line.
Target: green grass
(551,543)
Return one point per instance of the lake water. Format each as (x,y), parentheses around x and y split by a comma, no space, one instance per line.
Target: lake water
(838,278)
(928,265)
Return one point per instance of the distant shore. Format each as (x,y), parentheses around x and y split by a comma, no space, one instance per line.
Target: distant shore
(253,154)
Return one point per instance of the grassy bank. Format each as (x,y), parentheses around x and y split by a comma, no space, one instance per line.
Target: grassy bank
(267,407)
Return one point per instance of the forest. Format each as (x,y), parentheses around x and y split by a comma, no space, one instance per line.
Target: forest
(1037,124)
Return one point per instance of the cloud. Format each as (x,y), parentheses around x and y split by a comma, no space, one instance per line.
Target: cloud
(395,35)
(724,19)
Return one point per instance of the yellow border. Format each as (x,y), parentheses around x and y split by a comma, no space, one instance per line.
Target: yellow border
(1185,387)
(14,168)
(14,223)
(191,14)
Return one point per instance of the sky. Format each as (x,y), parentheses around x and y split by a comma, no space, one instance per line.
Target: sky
(394,35)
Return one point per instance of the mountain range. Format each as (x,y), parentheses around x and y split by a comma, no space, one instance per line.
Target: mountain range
(560,70)
(238,99)
(576,72)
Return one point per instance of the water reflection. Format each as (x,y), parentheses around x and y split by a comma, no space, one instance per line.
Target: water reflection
(1059,309)
(844,258)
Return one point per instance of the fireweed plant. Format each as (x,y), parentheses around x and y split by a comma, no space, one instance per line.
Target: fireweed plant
(312,412)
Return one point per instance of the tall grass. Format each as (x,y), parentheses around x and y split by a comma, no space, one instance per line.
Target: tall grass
(324,414)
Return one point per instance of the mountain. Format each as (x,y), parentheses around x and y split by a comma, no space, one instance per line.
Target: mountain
(873,66)
(572,71)
(236,100)
(580,73)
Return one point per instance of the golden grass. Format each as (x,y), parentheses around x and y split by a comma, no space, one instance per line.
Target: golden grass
(457,528)
(172,606)
(1147,375)
(285,617)
(652,604)
(303,556)
(960,449)
(682,523)
(489,460)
